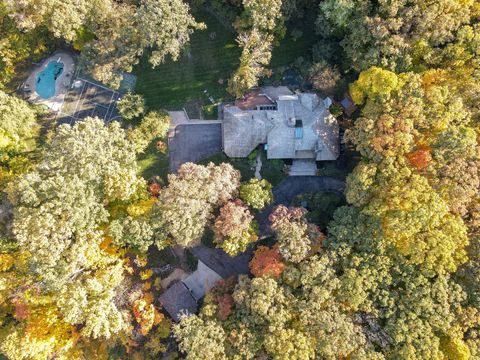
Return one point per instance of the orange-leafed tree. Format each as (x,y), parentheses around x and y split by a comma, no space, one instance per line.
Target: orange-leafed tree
(420,158)
(221,296)
(146,314)
(267,262)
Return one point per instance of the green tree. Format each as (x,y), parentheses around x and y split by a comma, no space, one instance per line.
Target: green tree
(256,193)
(165,27)
(258,26)
(131,106)
(389,34)
(153,126)
(18,124)
(59,207)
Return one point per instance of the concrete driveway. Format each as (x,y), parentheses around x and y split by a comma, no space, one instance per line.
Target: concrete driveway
(193,143)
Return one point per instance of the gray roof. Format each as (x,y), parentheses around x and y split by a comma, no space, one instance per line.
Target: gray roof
(177,300)
(244,130)
(223,264)
(201,280)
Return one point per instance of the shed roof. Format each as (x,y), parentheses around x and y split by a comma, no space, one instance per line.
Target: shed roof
(201,280)
(178,300)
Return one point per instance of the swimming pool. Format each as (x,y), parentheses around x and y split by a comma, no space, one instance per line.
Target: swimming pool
(45,80)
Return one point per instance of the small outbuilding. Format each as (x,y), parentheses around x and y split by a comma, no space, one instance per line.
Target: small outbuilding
(178,300)
(213,265)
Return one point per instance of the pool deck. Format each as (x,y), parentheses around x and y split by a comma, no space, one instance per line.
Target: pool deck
(62,84)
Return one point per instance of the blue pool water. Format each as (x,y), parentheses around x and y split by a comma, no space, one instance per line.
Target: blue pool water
(45,80)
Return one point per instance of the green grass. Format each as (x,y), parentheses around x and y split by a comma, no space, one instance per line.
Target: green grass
(289,49)
(170,85)
(153,163)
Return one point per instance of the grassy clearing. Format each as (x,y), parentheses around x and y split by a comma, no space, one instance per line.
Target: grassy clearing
(212,56)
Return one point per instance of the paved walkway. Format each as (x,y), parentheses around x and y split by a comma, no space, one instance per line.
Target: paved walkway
(258,166)
(303,167)
(289,188)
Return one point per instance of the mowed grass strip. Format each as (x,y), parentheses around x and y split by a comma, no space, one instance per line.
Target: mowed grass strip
(212,55)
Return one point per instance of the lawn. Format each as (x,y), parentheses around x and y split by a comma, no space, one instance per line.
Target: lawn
(211,58)
(290,49)
(153,163)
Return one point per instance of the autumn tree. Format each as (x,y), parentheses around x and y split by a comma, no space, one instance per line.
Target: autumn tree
(324,77)
(186,205)
(234,228)
(267,262)
(291,317)
(296,237)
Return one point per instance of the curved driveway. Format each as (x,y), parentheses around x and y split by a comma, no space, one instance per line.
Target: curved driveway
(288,189)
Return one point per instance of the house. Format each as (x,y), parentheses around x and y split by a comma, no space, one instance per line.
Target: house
(213,265)
(291,126)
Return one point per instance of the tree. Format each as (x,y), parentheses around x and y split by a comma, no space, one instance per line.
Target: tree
(59,207)
(131,106)
(186,206)
(294,234)
(18,124)
(389,34)
(200,339)
(153,126)
(120,30)
(258,26)
(234,228)
(256,54)
(131,232)
(256,193)
(294,316)
(324,77)
(373,82)
(165,27)
(267,262)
